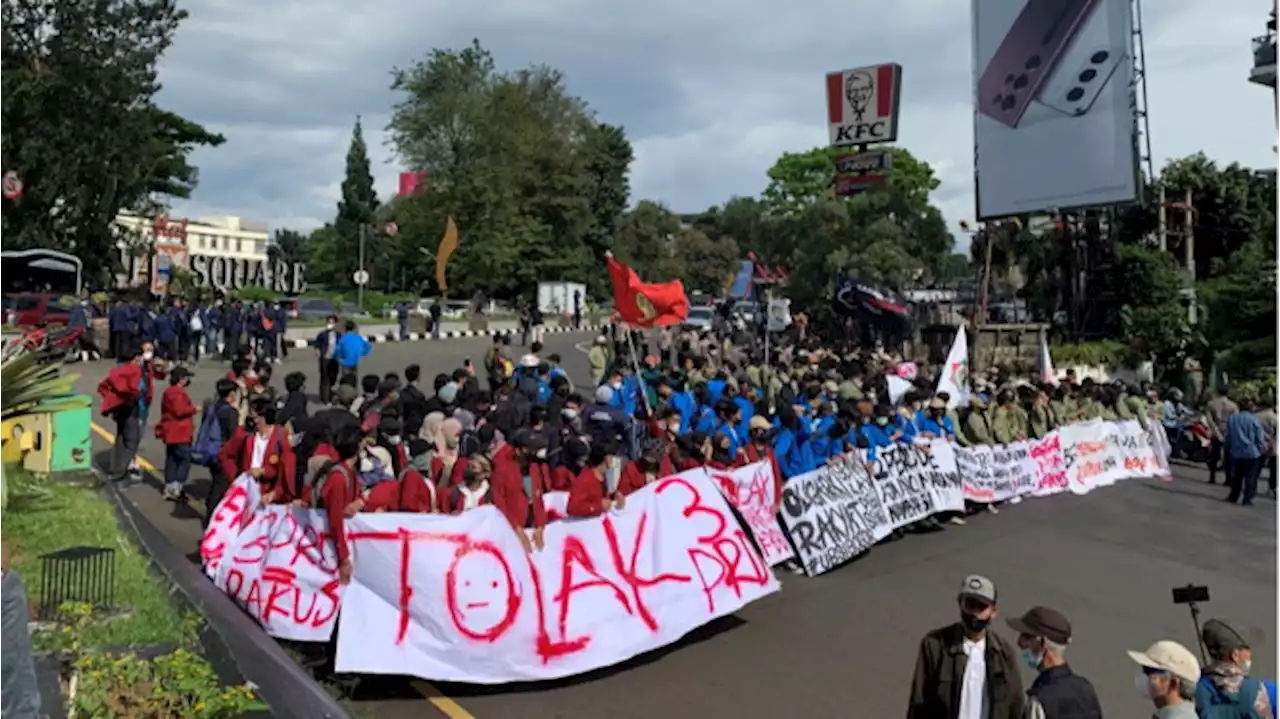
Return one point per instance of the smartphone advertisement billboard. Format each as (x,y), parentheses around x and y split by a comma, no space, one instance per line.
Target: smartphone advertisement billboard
(1054,119)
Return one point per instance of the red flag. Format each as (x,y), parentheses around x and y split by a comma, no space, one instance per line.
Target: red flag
(646,305)
(411,182)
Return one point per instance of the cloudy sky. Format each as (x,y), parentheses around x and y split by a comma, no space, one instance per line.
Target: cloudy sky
(710,92)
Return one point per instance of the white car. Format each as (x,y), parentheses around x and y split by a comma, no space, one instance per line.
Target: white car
(700,318)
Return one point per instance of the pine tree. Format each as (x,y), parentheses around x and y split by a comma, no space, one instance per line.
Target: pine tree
(338,259)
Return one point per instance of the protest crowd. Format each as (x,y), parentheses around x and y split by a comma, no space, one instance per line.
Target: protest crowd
(662,400)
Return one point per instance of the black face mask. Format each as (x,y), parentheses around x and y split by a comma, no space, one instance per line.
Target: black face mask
(972,623)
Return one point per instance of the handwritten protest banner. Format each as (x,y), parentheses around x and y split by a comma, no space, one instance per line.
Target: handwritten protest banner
(983,482)
(833,514)
(751,491)
(456,597)
(1050,468)
(915,481)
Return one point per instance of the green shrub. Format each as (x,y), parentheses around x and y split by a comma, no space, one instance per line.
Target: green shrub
(1104,353)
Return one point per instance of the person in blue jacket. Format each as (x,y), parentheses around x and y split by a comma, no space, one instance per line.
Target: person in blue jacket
(879,433)
(715,388)
(213,328)
(933,421)
(118,326)
(402,318)
(166,335)
(746,402)
(233,322)
(682,399)
(79,318)
(181,329)
(794,457)
(146,324)
(351,348)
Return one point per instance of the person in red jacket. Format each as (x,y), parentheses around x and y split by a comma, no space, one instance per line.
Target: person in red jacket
(263,451)
(474,490)
(126,394)
(639,472)
(338,494)
(758,450)
(573,455)
(516,487)
(590,495)
(420,490)
(177,431)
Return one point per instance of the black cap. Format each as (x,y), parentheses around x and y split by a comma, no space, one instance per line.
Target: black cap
(177,374)
(1043,622)
(1220,639)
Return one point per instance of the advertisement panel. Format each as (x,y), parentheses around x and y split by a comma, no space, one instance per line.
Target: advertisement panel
(862,105)
(1054,122)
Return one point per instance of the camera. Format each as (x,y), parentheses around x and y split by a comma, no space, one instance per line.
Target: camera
(1190,594)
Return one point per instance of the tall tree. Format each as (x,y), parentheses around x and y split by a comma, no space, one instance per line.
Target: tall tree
(290,246)
(80,124)
(533,181)
(337,259)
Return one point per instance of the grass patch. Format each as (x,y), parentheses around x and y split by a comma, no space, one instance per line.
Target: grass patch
(71,515)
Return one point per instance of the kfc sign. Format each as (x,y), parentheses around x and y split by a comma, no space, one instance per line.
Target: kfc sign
(862,105)
(165,229)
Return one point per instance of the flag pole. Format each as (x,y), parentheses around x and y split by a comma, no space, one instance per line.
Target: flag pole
(635,364)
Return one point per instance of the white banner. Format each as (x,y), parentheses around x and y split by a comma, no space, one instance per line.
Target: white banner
(917,480)
(457,599)
(751,491)
(833,514)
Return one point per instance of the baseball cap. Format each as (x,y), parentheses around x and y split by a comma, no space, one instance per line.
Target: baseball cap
(1043,622)
(604,394)
(978,587)
(1171,657)
(758,422)
(1220,639)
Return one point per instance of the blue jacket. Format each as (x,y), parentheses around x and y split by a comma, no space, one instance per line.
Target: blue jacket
(118,318)
(794,457)
(748,411)
(146,325)
(213,318)
(943,429)
(164,328)
(351,349)
(281,318)
(1245,437)
(716,388)
(876,436)
(684,402)
(78,317)
(727,429)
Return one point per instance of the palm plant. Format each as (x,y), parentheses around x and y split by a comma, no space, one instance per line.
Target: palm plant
(28,386)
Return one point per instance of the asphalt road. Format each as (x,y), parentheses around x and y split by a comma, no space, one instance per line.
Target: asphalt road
(844,643)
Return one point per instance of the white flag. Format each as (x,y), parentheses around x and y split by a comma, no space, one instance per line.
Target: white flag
(1047,373)
(954,379)
(897,387)
(779,315)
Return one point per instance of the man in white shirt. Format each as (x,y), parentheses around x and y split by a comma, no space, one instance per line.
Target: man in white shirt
(965,670)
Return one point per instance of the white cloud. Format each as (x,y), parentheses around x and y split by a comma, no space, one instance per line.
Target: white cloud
(710,92)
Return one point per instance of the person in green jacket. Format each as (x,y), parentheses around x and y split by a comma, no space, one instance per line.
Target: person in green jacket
(1004,422)
(1061,408)
(954,416)
(598,359)
(1041,419)
(1107,401)
(1136,405)
(1120,402)
(977,426)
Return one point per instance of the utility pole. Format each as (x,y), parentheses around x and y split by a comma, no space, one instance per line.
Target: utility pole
(1189,250)
(1162,224)
(360,285)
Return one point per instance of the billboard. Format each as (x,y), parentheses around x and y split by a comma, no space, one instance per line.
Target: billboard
(1054,123)
(862,105)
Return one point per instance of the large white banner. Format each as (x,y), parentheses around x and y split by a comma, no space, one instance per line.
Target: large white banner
(915,481)
(833,514)
(457,599)
(751,491)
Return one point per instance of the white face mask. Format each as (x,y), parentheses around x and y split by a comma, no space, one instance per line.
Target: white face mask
(393,439)
(148,356)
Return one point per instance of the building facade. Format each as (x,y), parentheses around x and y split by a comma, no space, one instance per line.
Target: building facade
(151,247)
(1264,59)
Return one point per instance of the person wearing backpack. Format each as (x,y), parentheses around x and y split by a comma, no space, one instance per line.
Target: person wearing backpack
(175,429)
(338,494)
(262,450)
(221,418)
(126,394)
(1225,690)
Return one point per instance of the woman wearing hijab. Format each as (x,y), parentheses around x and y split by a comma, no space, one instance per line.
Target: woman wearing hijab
(474,490)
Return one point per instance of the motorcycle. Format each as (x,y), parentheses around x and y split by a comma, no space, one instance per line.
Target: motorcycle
(56,344)
(1194,442)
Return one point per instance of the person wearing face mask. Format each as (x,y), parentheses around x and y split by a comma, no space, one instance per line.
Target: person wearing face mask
(934,422)
(1167,674)
(757,449)
(594,490)
(326,344)
(645,469)
(516,487)
(1057,692)
(965,670)
(126,394)
(474,490)
(1225,689)
(262,450)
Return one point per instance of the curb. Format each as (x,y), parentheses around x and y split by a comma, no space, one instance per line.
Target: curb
(452,335)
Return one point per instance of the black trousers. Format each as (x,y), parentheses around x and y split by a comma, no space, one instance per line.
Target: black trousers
(1215,460)
(328,378)
(218,486)
(1242,479)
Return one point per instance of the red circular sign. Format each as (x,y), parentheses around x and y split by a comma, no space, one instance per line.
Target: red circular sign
(12,185)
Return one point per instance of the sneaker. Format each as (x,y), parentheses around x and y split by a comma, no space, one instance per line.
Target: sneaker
(1015,500)
(958,520)
(173,492)
(992,509)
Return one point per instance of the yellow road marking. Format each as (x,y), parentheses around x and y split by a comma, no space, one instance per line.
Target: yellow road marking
(447,706)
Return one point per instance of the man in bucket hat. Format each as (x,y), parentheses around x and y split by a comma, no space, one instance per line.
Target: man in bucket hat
(1167,674)
(1057,692)
(965,670)
(1227,690)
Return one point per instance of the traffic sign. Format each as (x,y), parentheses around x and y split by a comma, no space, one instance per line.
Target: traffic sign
(12,185)
(361,277)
